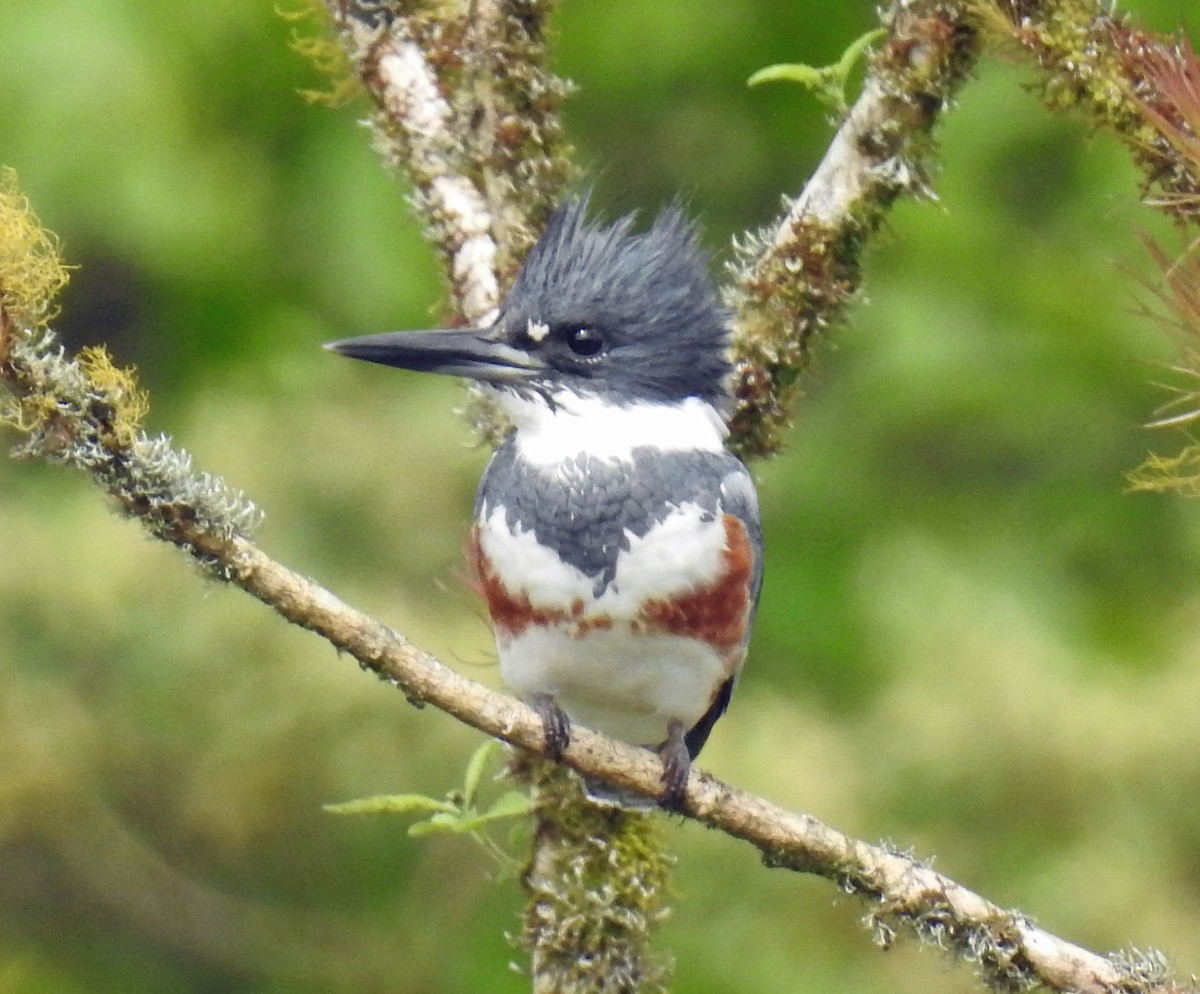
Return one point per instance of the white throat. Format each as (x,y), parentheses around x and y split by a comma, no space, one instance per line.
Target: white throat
(548,434)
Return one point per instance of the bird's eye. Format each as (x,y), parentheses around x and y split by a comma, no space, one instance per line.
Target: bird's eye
(585,342)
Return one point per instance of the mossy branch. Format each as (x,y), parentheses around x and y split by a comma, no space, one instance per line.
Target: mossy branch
(86,412)
(1144,89)
(1134,84)
(466,108)
(795,278)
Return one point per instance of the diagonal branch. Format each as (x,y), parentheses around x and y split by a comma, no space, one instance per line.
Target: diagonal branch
(1012,952)
(796,277)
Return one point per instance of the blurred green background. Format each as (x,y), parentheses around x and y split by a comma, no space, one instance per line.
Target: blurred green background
(972,641)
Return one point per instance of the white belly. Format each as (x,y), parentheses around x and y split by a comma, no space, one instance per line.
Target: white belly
(625,684)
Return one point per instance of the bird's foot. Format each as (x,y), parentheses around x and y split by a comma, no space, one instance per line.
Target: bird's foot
(556,726)
(677,765)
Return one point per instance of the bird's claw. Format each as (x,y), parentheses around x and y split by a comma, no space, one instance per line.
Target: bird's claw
(556,726)
(677,766)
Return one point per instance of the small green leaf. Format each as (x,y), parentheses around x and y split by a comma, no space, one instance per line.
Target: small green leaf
(476,766)
(443,821)
(856,49)
(512,804)
(389,804)
(827,83)
(456,813)
(789,72)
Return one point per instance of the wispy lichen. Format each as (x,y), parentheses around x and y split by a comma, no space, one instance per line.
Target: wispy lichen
(31,272)
(1179,315)
(1138,85)
(324,53)
(1169,97)
(1178,473)
(87,412)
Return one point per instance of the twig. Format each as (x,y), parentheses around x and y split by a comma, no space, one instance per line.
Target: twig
(795,278)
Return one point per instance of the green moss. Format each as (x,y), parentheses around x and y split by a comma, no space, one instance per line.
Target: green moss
(324,53)
(596,887)
(795,280)
(784,301)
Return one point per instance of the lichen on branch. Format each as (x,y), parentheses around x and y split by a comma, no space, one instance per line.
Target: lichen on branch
(794,279)
(1143,88)
(85,411)
(467,110)
(597,887)
(1140,86)
(31,271)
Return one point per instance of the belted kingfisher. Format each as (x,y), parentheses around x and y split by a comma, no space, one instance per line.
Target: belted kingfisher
(616,540)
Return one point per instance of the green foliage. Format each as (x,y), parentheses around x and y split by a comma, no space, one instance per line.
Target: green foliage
(829,84)
(458,813)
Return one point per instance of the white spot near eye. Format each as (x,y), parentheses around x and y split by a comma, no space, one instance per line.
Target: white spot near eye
(537,330)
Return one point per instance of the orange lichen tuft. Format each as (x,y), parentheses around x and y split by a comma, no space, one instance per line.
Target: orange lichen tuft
(120,405)
(31,272)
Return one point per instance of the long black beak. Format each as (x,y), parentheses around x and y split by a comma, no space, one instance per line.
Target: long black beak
(467,352)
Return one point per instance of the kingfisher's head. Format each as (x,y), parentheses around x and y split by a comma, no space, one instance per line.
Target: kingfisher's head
(603,311)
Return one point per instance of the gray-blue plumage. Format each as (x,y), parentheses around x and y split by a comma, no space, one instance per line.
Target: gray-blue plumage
(587,509)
